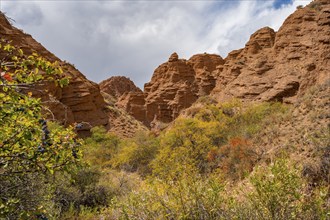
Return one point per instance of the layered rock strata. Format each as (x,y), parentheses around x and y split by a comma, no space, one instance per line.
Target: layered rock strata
(280,66)
(175,85)
(79,102)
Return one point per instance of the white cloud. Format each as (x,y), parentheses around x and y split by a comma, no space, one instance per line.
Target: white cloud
(104,38)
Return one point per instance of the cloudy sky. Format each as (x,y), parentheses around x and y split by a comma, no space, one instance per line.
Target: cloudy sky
(131,38)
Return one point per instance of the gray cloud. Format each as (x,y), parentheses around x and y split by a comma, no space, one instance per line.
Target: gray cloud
(25,13)
(131,38)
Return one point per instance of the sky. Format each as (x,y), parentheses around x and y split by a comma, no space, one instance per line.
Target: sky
(104,38)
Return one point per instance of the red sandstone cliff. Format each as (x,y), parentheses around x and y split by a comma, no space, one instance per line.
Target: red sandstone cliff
(280,66)
(80,101)
(175,85)
(116,86)
(272,66)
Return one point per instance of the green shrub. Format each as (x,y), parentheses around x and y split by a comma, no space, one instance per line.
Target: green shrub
(190,197)
(280,192)
(81,188)
(29,194)
(183,147)
(100,148)
(136,153)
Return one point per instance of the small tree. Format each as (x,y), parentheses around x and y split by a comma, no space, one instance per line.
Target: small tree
(28,148)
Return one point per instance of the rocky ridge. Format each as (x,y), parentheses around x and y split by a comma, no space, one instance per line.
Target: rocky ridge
(79,102)
(116,86)
(175,85)
(273,66)
(280,66)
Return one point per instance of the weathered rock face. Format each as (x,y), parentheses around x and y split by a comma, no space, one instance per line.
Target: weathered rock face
(271,67)
(125,95)
(80,101)
(185,81)
(169,90)
(134,104)
(121,123)
(204,65)
(116,86)
(175,85)
(280,66)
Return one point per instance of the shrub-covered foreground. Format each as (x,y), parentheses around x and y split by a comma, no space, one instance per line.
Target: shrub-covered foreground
(206,165)
(202,167)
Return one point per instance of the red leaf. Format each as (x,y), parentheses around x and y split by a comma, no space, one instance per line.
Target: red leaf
(6,76)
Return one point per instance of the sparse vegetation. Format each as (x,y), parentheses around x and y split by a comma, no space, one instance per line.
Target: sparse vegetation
(315,5)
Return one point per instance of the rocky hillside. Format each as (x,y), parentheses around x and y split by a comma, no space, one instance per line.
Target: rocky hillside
(280,66)
(80,101)
(273,66)
(175,85)
(116,86)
